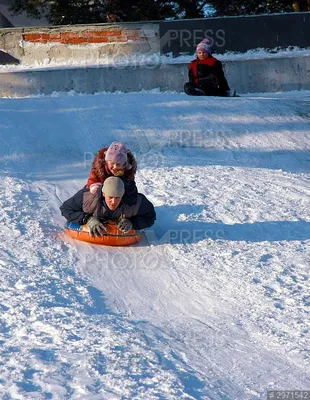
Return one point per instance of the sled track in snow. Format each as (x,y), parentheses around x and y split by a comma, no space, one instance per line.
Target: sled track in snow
(213,303)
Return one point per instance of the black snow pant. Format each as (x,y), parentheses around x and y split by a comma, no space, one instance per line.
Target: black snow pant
(192,89)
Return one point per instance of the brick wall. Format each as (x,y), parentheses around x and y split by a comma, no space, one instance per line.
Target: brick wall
(113,35)
(44,44)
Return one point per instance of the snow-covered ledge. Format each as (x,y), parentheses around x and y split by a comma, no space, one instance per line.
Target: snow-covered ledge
(273,73)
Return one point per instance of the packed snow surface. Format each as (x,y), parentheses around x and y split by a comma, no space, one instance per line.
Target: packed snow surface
(212,304)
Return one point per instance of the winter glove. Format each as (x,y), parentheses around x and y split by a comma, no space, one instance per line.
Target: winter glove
(96,228)
(94,187)
(124,225)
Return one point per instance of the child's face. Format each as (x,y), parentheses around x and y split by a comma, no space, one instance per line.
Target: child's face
(117,169)
(202,55)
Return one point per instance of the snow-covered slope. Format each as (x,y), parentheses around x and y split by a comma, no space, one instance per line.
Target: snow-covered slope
(213,304)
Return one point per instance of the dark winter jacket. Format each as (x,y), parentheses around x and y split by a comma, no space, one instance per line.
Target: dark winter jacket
(79,208)
(208,74)
(100,171)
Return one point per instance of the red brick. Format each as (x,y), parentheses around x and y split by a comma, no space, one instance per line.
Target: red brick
(51,37)
(97,40)
(70,35)
(75,40)
(96,34)
(32,37)
(102,33)
(113,32)
(119,38)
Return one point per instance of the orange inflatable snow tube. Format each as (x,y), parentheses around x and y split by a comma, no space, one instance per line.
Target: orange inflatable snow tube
(113,236)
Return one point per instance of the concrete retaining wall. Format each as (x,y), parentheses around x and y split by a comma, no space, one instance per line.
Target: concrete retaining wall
(246,76)
(269,74)
(80,42)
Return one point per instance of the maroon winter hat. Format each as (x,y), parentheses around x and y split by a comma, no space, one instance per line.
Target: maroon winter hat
(117,152)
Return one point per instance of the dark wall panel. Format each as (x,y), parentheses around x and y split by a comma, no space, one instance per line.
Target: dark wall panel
(6,58)
(4,22)
(236,33)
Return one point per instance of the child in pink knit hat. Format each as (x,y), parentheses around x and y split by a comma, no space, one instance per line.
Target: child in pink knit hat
(206,75)
(204,46)
(115,160)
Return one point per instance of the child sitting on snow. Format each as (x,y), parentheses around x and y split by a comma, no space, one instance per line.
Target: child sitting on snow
(206,75)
